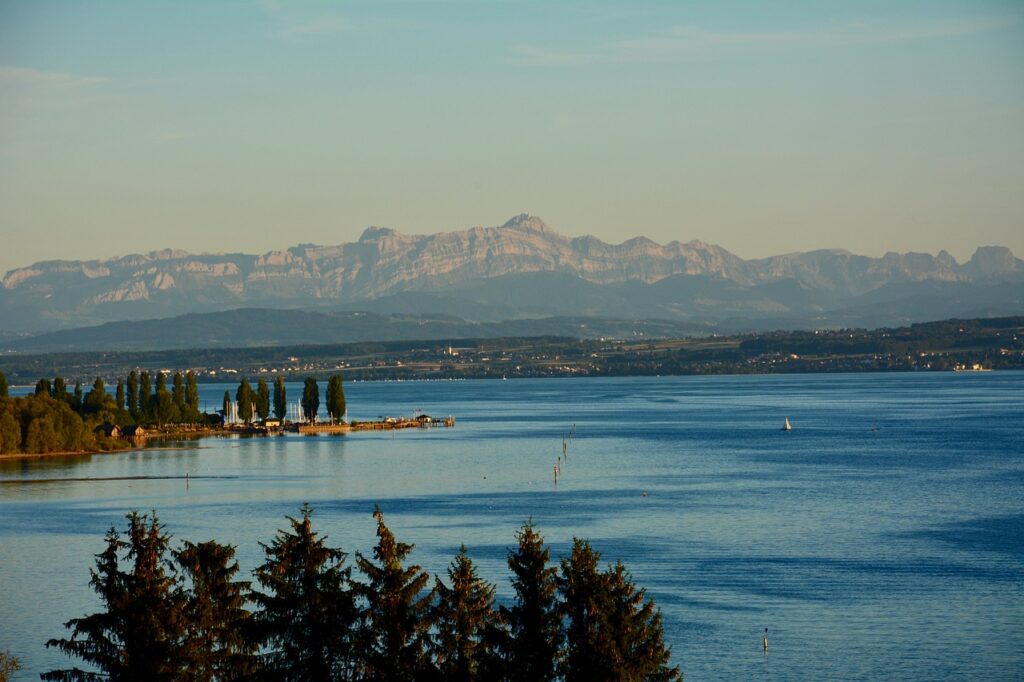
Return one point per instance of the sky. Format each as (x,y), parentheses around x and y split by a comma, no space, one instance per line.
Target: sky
(765,128)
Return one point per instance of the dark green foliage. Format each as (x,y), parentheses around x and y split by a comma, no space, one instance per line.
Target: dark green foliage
(43,387)
(4,392)
(10,432)
(636,631)
(226,405)
(133,395)
(192,395)
(41,424)
(96,399)
(50,425)
(164,411)
(307,614)
(335,397)
(310,399)
(589,650)
(138,636)
(215,646)
(262,399)
(464,618)
(60,388)
(186,618)
(145,398)
(178,393)
(280,398)
(119,395)
(245,399)
(533,619)
(397,617)
(76,399)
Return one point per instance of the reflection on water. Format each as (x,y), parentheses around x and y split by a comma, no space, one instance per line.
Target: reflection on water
(878,539)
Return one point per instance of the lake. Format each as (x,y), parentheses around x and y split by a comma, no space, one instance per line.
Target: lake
(882,538)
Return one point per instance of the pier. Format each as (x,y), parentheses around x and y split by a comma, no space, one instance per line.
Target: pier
(386,424)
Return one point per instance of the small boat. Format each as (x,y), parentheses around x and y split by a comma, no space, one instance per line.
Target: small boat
(787,426)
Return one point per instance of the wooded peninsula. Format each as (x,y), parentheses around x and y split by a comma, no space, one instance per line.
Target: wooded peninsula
(54,419)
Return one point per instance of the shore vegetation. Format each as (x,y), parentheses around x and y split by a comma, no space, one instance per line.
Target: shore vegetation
(183,614)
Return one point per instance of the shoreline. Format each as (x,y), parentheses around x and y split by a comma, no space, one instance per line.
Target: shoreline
(192,435)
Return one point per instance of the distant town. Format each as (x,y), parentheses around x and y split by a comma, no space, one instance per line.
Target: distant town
(977,344)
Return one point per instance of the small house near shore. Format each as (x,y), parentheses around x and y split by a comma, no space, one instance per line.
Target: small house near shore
(134,431)
(108,430)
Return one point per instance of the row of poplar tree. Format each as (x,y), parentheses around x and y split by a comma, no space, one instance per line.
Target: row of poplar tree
(182,614)
(134,400)
(256,403)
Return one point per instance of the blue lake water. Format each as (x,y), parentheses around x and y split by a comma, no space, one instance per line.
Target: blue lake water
(883,538)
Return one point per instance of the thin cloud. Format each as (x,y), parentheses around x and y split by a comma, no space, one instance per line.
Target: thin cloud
(684,41)
(15,74)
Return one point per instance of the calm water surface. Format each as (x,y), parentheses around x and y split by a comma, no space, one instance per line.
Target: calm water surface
(883,538)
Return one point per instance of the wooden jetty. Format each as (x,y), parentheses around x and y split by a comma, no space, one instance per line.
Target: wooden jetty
(386,424)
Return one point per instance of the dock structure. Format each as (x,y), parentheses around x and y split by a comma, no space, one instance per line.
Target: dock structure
(385,424)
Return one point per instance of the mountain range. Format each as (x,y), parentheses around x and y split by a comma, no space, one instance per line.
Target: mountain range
(520,271)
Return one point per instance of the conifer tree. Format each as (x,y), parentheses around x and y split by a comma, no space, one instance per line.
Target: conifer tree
(4,391)
(396,621)
(226,406)
(244,397)
(262,399)
(463,618)
(138,636)
(76,400)
(589,651)
(636,631)
(133,395)
(335,397)
(43,387)
(533,619)
(280,398)
(310,399)
(307,614)
(215,646)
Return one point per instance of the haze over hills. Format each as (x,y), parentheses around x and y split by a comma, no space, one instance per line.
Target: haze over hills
(522,270)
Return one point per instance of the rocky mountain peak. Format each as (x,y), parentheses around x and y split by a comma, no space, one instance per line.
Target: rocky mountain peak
(992,261)
(374,233)
(527,222)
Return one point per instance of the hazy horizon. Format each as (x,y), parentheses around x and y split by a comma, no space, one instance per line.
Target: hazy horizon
(233,127)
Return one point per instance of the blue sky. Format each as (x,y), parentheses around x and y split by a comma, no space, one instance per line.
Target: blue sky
(763,127)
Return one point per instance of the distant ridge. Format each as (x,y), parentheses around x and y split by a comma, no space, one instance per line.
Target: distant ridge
(694,281)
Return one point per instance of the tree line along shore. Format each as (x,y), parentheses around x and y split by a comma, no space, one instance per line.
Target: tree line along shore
(183,614)
(56,418)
